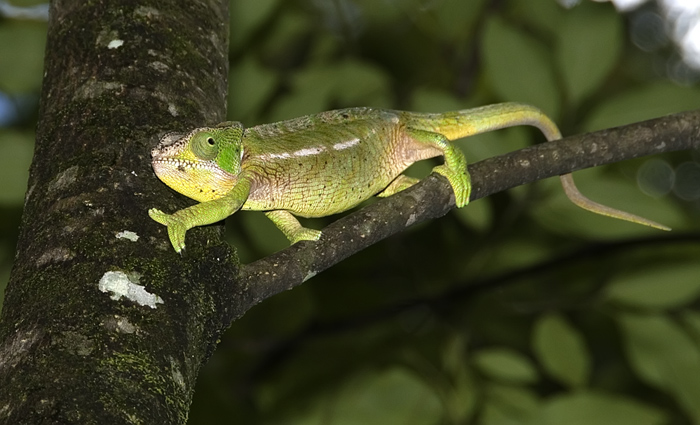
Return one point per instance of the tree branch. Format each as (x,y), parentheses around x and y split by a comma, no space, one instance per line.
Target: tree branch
(432,197)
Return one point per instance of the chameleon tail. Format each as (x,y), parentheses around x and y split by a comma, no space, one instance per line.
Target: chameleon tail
(468,122)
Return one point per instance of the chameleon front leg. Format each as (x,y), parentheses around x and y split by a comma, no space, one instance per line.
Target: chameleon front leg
(201,214)
(290,226)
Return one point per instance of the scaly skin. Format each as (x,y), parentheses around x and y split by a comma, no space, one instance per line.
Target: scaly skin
(327,163)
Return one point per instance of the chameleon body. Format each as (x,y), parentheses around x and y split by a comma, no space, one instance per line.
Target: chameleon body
(322,164)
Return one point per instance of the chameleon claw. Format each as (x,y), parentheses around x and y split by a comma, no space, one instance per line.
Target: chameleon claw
(290,226)
(176,229)
(304,234)
(158,216)
(459,181)
(177,238)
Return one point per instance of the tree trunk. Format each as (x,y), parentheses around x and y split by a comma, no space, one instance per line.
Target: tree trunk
(72,350)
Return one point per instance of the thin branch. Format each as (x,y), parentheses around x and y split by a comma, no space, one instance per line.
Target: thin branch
(433,197)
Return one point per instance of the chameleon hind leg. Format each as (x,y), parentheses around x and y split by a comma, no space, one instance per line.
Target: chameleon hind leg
(455,166)
(400,183)
(290,226)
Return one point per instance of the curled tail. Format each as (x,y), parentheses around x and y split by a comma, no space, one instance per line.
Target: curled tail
(468,122)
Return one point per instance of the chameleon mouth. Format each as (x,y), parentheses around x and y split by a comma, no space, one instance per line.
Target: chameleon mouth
(200,180)
(168,165)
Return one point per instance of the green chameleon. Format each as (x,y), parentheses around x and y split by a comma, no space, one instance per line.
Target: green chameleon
(323,164)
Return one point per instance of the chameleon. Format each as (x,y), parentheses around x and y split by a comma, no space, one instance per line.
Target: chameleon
(323,164)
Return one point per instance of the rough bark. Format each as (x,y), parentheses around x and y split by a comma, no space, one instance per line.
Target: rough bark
(116,74)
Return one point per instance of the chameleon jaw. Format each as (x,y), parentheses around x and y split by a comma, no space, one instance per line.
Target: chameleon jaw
(200,180)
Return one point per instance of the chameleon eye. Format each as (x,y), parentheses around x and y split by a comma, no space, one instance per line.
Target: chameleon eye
(204,146)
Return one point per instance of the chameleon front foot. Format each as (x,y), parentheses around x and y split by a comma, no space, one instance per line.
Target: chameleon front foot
(176,227)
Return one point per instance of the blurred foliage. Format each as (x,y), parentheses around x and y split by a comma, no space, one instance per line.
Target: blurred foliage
(519,309)
(22,44)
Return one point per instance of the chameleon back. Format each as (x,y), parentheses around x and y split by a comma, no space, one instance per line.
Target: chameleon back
(325,164)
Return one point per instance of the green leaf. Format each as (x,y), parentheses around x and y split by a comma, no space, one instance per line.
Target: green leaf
(312,91)
(16,150)
(545,15)
(494,143)
(562,350)
(360,83)
(21,56)
(655,177)
(517,253)
(315,88)
(587,408)
(428,100)
(456,18)
(691,318)
(662,287)
(518,67)
(643,103)
(279,43)
(250,86)
(463,397)
(26,3)
(664,356)
(392,396)
(478,216)
(505,364)
(590,38)
(247,16)
(505,405)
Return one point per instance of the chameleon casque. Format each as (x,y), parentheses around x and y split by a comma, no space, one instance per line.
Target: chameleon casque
(322,164)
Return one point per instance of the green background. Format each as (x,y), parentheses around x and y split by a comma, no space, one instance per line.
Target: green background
(519,309)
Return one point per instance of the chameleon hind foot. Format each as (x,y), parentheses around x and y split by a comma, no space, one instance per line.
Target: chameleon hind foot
(290,226)
(402,182)
(460,182)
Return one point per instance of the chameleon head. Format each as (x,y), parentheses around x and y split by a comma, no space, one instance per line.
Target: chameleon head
(203,164)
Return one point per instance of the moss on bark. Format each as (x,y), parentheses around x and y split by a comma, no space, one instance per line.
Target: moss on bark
(71,351)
